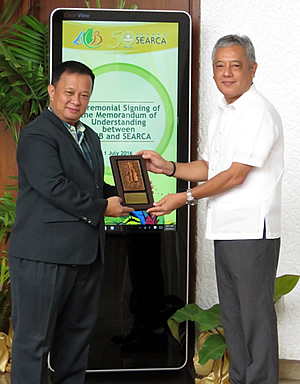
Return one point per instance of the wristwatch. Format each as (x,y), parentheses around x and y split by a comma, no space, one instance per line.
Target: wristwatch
(190,200)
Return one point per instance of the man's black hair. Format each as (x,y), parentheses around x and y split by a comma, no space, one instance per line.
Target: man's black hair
(71,67)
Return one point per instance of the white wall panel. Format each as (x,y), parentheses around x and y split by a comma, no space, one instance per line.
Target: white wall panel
(274,29)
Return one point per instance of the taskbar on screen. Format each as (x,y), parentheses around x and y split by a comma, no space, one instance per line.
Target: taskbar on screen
(140,228)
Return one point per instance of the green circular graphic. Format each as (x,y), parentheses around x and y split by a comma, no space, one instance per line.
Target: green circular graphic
(157,85)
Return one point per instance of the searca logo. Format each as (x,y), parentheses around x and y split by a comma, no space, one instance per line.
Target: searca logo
(90,38)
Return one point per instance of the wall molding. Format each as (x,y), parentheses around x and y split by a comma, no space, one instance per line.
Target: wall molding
(289,369)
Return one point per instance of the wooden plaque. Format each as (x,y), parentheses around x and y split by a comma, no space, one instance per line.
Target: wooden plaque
(132,181)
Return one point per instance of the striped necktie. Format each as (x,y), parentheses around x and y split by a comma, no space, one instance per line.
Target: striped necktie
(83,144)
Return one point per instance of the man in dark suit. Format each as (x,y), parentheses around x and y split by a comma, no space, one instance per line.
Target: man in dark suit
(57,243)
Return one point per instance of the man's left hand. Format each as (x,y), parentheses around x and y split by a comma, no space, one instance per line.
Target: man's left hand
(168,204)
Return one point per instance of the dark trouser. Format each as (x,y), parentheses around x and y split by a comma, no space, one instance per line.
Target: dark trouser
(246,272)
(54,308)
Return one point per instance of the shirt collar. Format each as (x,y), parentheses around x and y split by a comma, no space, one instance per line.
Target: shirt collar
(241,101)
(79,126)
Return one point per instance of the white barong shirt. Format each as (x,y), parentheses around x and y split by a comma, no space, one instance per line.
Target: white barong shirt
(248,131)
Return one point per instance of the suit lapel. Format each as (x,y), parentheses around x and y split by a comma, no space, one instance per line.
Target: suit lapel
(58,124)
(56,121)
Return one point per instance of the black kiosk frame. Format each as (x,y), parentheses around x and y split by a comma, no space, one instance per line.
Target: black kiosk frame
(147,261)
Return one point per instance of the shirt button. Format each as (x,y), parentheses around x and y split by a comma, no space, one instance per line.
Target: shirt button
(97,186)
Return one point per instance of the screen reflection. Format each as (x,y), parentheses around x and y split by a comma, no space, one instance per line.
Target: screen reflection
(144,283)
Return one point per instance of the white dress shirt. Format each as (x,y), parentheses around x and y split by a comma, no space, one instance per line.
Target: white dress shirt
(248,131)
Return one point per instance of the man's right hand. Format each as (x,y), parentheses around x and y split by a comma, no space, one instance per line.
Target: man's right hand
(156,163)
(115,209)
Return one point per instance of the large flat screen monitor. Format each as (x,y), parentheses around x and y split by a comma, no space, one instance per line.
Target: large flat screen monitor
(141,100)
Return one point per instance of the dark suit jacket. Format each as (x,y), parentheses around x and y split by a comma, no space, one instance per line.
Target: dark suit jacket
(61,201)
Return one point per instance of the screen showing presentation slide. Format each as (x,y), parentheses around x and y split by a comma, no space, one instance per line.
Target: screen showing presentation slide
(140,100)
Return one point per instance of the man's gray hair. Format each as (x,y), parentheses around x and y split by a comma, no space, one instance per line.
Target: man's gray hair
(229,40)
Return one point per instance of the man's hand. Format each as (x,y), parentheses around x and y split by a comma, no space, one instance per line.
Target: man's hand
(168,204)
(156,163)
(115,209)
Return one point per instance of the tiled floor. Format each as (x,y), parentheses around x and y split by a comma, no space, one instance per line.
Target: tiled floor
(282,381)
(289,381)
(163,380)
(174,378)
(4,378)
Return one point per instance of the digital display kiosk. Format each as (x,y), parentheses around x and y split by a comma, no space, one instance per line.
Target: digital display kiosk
(141,100)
